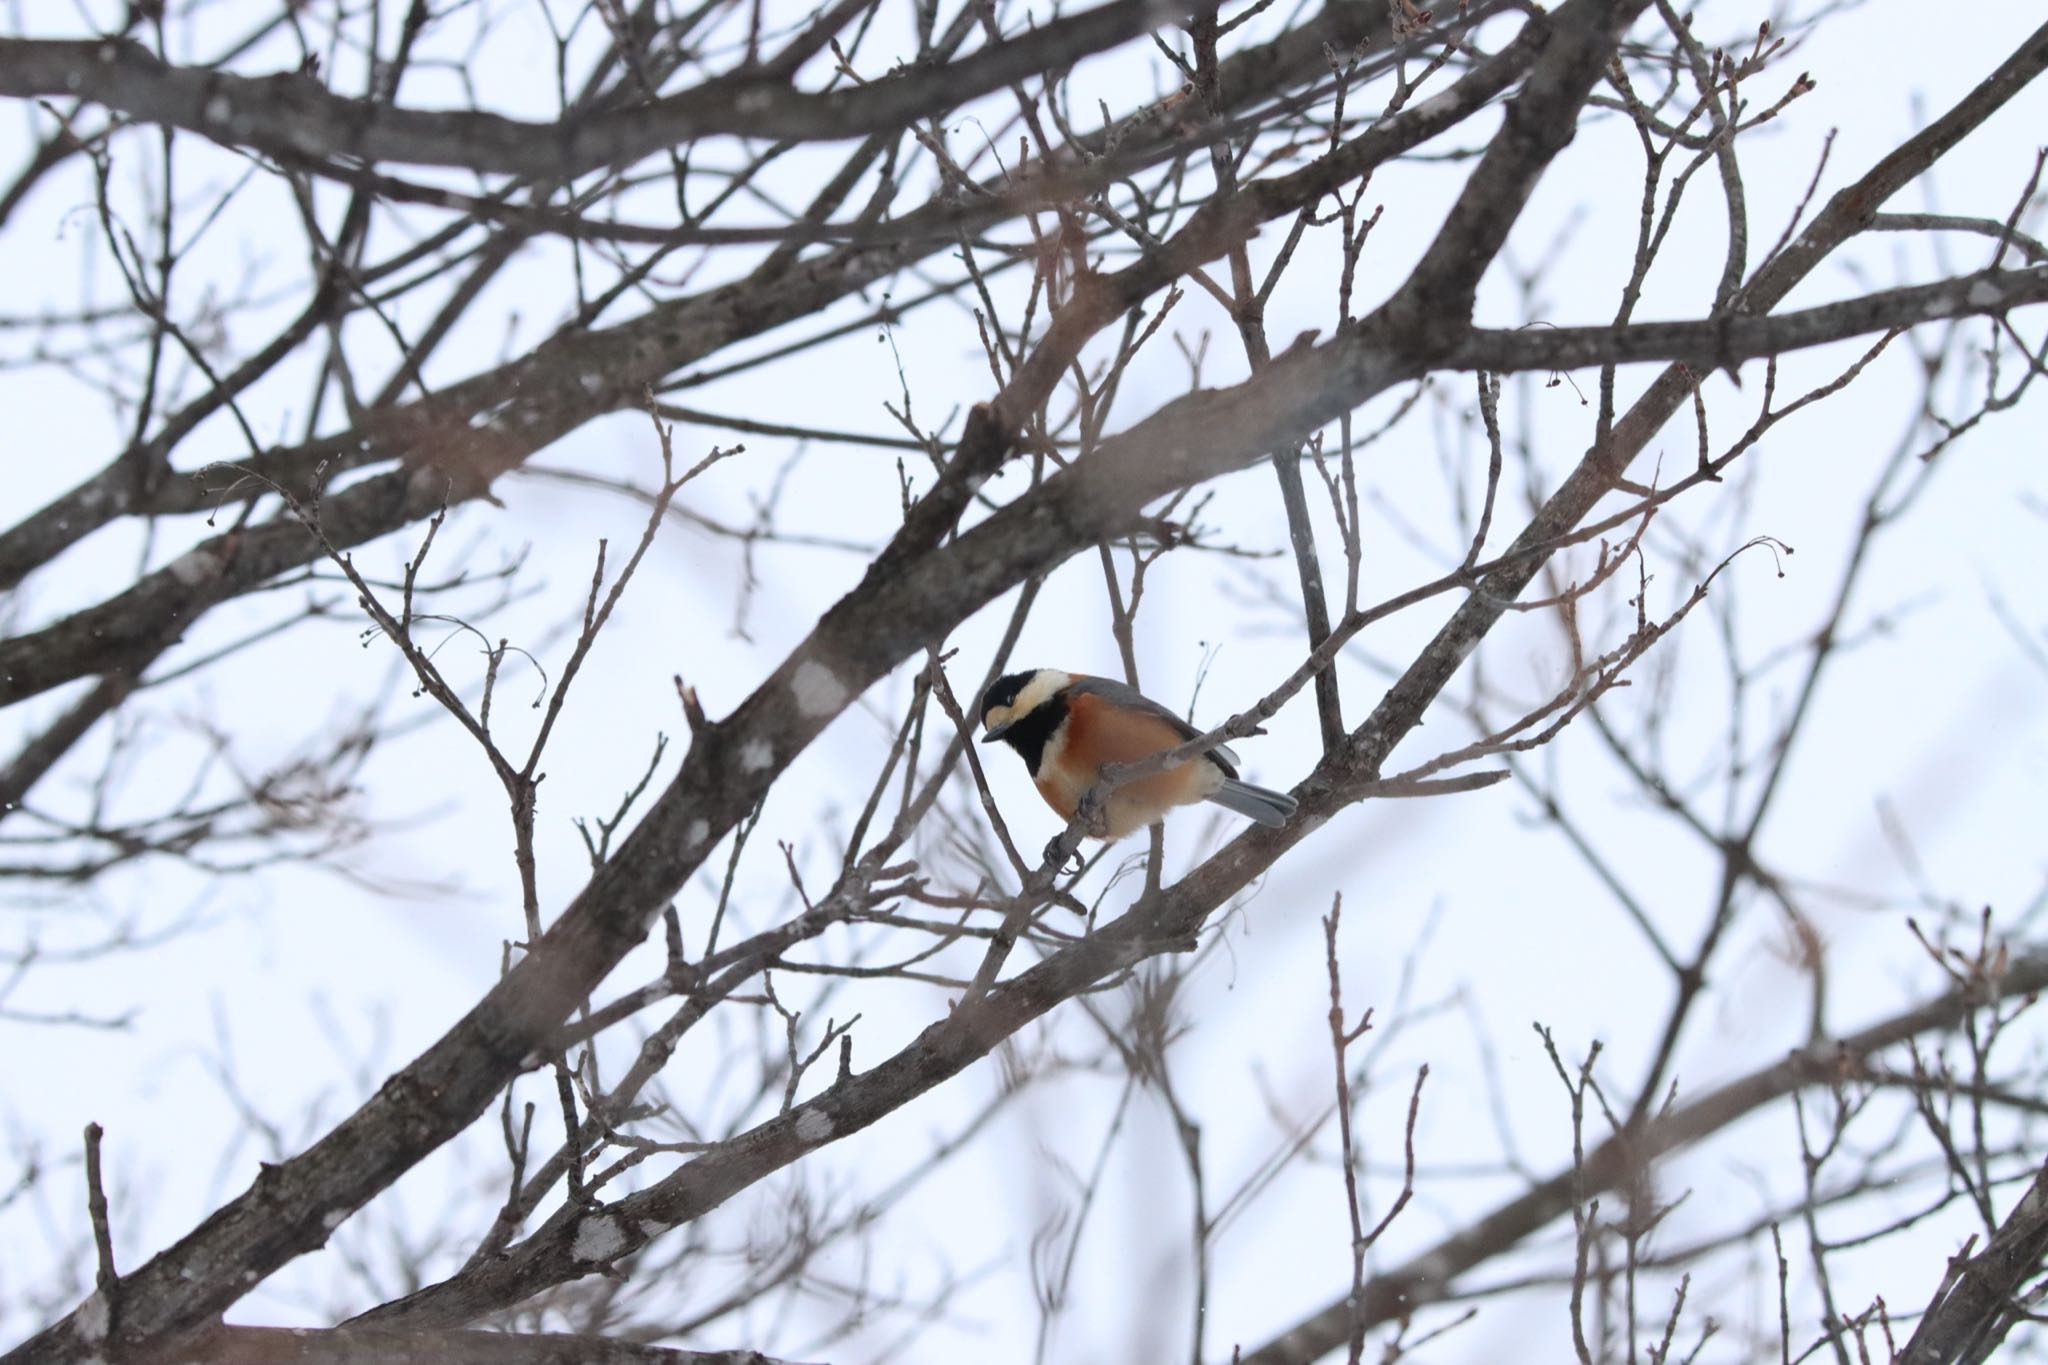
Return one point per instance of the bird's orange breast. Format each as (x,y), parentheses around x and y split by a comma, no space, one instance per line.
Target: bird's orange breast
(1097,732)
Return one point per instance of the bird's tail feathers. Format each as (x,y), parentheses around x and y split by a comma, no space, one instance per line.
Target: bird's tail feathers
(1257,803)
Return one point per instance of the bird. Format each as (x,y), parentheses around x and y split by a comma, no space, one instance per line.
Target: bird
(1068,726)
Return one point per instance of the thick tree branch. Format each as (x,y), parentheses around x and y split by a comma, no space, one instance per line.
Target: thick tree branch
(1981,1298)
(1713,343)
(369,1346)
(289,115)
(1434,304)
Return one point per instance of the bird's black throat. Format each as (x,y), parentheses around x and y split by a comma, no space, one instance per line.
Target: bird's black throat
(1030,733)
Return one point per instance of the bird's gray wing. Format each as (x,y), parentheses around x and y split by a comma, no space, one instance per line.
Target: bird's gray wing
(1130,698)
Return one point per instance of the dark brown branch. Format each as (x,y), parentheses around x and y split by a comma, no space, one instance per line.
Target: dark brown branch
(1980,1299)
(1712,343)
(296,116)
(1434,305)
(369,1346)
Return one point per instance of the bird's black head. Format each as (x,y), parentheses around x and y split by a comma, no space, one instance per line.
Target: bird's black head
(1002,697)
(1024,710)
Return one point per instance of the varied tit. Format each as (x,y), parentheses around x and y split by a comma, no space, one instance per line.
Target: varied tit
(1068,726)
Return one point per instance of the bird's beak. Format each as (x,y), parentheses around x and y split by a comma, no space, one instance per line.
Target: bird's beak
(996,732)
